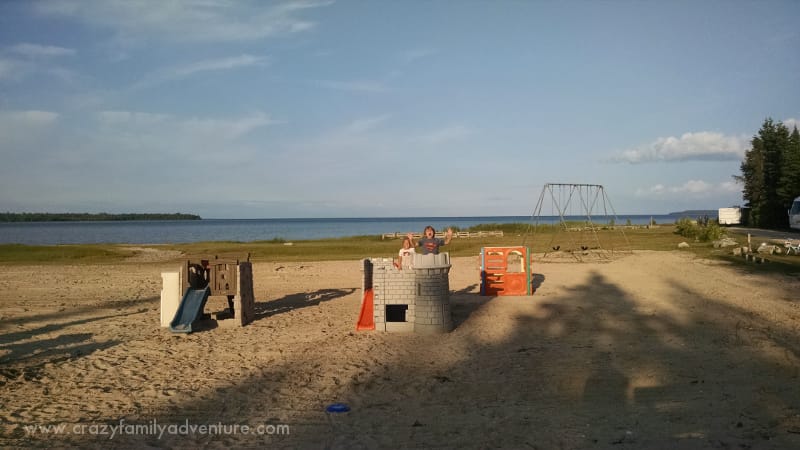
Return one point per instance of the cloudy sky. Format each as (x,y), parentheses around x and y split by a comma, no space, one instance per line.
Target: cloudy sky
(252,109)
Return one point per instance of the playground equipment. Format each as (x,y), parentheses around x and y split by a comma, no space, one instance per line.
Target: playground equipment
(190,309)
(577,208)
(505,271)
(199,279)
(406,300)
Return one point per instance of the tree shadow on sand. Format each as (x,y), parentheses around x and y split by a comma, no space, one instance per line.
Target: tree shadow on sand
(297,301)
(66,346)
(64,313)
(26,360)
(10,338)
(543,386)
(464,302)
(24,354)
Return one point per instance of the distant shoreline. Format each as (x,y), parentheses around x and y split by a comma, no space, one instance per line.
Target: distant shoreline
(87,217)
(695,212)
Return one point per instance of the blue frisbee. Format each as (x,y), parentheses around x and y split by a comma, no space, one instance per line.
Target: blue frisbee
(337,408)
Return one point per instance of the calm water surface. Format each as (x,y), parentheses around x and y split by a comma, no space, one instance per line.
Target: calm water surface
(248,230)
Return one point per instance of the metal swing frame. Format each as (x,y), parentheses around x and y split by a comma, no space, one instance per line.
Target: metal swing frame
(593,203)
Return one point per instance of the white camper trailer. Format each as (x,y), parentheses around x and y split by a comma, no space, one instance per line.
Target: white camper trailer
(794,214)
(729,216)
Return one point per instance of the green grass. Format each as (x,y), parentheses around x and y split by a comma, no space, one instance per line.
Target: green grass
(659,238)
(59,254)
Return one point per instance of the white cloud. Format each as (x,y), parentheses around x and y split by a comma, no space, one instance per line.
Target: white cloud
(209,65)
(447,134)
(730,186)
(63,74)
(691,188)
(15,69)
(217,64)
(791,123)
(25,59)
(410,56)
(19,128)
(332,152)
(27,119)
(39,51)
(187,20)
(364,125)
(206,129)
(114,118)
(355,86)
(230,129)
(702,146)
(130,142)
(12,70)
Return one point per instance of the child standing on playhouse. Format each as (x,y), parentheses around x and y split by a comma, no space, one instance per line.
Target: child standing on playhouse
(429,243)
(406,254)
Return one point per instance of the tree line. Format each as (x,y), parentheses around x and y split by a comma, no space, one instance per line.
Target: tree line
(771,175)
(87,217)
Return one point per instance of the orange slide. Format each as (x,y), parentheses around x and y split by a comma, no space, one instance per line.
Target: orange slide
(366,320)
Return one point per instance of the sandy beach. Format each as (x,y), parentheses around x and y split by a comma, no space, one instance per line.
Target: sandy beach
(652,350)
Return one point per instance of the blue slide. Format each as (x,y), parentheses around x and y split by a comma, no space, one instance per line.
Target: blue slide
(190,309)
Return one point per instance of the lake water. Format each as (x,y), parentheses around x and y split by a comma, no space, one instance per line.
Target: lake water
(248,230)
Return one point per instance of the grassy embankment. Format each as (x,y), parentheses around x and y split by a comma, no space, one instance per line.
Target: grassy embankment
(543,238)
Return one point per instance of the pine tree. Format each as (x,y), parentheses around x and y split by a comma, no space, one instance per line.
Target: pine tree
(752,179)
(762,175)
(776,143)
(790,180)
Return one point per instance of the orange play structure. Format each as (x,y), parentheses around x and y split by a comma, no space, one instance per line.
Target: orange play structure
(366,320)
(505,271)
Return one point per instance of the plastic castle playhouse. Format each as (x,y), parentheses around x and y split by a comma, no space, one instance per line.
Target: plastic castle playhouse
(411,299)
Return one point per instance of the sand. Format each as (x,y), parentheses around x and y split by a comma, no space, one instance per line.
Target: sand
(653,350)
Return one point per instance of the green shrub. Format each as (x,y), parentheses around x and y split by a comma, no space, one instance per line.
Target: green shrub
(710,232)
(703,233)
(686,228)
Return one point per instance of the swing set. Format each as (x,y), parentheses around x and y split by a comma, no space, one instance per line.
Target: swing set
(577,208)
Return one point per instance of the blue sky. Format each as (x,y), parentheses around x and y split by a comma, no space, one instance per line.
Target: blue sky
(251,109)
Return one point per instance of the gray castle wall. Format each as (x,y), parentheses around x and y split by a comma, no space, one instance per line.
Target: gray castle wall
(424,290)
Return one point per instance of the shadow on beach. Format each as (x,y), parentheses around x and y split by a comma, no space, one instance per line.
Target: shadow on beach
(297,301)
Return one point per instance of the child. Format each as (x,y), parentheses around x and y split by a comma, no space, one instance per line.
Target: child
(407,254)
(429,242)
